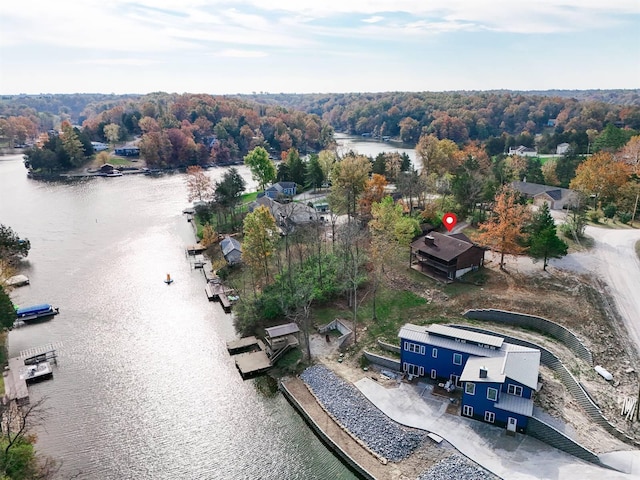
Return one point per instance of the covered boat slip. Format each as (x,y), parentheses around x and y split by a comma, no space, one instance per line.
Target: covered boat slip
(34,312)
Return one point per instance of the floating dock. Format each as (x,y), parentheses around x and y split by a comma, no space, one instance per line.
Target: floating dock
(243,345)
(251,364)
(195,249)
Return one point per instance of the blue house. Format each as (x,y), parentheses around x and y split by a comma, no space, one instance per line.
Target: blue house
(498,379)
(281,189)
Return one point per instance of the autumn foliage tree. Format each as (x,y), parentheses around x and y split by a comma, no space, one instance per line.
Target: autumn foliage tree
(373,192)
(600,175)
(199,184)
(504,232)
(260,238)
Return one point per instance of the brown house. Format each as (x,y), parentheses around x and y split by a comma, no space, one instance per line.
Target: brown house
(448,256)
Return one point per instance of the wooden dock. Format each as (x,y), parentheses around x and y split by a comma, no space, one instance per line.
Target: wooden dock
(16,387)
(243,345)
(225,302)
(251,364)
(195,249)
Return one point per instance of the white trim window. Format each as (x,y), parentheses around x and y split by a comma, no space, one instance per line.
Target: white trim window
(489,417)
(434,353)
(414,348)
(434,374)
(492,394)
(457,359)
(470,388)
(514,390)
(467,411)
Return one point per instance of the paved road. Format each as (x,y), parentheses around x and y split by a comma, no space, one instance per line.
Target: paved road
(613,259)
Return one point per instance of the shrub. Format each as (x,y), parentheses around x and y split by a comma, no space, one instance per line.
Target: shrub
(594,216)
(624,217)
(609,211)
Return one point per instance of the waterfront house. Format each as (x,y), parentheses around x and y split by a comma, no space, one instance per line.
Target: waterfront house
(281,190)
(231,250)
(562,148)
(446,256)
(287,215)
(556,198)
(127,151)
(497,378)
(523,151)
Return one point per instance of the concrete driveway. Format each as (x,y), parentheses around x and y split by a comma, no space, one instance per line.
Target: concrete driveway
(512,458)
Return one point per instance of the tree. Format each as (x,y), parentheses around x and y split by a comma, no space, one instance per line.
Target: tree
(296,166)
(630,154)
(314,176)
(504,232)
(348,181)
(391,234)
(262,168)
(543,240)
(198,184)
(600,176)
(12,247)
(229,190)
(373,192)
(7,311)
(260,238)
(18,459)
(72,145)
(112,132)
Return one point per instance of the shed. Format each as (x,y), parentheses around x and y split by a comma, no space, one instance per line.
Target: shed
(231,250)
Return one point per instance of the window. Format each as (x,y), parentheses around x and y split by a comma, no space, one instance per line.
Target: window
(492,394)
(514,390)
(415,370)
(434,374)
(470,388)
(414,348)
(489,417)
(457,359)
(467,411)
(434,353)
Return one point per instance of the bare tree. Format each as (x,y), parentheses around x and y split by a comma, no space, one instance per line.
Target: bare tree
(17,424)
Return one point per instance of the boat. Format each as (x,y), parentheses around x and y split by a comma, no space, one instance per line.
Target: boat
(18,281)
(36,312)
(36,373)
(169,280)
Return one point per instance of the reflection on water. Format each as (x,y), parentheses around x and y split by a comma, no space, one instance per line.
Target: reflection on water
(144,388)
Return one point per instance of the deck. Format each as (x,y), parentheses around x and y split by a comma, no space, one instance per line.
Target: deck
(195,249)
(252,363)
(242,345)
(16,387)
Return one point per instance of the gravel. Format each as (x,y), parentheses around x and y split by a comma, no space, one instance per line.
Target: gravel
(458,467)
(352,409)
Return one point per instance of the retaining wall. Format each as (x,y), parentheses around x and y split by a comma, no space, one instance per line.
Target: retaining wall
(557,331)
(386,362)
(325,438)
(550,360)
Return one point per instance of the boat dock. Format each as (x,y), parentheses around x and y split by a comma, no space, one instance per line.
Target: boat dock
(243,345)
(195,249)
(15,387)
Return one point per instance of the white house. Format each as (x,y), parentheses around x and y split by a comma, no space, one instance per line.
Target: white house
(523,151)
(562,148)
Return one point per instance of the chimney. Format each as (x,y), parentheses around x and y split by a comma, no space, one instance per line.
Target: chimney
(483,372)
(429,240)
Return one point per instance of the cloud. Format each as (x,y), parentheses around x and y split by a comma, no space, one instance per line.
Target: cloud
(375,19)
(234,53)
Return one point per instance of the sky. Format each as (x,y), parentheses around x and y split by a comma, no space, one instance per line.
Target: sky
(321,46)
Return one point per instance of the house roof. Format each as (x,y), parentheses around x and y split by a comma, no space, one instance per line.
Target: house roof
(281,186)
(445,247)
(466,335)
(515,404)
(504,360)
(228,244)
(282,330)
(520,365)
(535,189)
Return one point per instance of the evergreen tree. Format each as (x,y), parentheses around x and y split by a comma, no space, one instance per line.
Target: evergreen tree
(543,240)
(7,311)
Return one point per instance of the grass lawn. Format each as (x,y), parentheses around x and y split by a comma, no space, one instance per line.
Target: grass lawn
(248,197)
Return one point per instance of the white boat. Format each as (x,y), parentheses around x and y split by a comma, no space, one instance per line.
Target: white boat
(35,373)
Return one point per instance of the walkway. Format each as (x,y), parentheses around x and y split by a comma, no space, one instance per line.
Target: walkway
(512,458)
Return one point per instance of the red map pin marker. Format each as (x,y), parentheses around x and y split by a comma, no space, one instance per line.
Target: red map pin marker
(449,220)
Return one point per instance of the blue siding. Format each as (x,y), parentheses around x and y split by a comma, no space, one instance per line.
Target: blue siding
(526,391)
(442,363)
(481,404)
